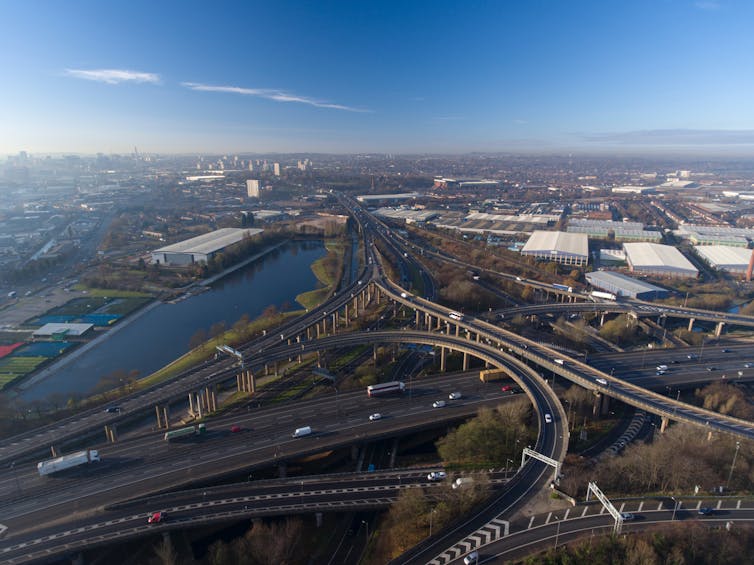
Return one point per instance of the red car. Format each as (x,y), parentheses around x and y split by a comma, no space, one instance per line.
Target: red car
(157,517)
(506,388)
(235,429)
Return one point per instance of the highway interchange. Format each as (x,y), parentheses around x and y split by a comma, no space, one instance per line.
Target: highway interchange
(144,465)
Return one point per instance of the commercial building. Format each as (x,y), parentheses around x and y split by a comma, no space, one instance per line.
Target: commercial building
(725,258)
(276,169)
(715,235)
(623,285)
(608,229)
(252,188)
(201,248)
(561,247)
(660,260)
(62,330)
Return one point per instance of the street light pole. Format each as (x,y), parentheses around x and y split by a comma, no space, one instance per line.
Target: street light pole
(675,507)
(367,526)
(733,465)
(431,515)
(557,532)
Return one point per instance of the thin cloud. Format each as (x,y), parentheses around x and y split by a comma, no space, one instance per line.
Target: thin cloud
(113,76)
(271,94)
(447,118)
(707,5)
(520,122)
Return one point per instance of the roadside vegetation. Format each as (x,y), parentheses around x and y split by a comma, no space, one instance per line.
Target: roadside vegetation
(685,543)
(329,271)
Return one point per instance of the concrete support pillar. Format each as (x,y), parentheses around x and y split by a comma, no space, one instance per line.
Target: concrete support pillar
(602,319)
(465,361)
(252,381)
(664,424)
(276,368)
(597,405)
(439,323)
(239,387)
(374,353)
(348,318)
(267,369)
(54,451)
(417,321)
(605,405)
(447,328)
(308,333)
(191,404)
(356,306)
(110,435)
(166,416)
(709,435)
(334,322)
(691,324)
(458,330)
(442,359)
(478,338)
(159,419)
(719,328)
(317,330)
(199,406)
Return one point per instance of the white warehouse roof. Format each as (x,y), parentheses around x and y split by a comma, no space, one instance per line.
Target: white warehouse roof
(557,242)
(658,258)
(725,257)
(209,242)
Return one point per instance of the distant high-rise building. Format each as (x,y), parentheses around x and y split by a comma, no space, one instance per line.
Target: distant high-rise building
(252,188)
(276,169)
(251,166)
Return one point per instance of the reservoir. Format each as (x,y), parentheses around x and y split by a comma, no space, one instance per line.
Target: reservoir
(161,334)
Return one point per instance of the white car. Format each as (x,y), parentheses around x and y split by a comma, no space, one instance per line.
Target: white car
(548,419)
(436,476)
(601,381)
(471,559)
(438,404)
(455,396)
(375,416)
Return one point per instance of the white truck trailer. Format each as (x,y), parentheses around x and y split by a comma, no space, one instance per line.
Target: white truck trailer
(67,461)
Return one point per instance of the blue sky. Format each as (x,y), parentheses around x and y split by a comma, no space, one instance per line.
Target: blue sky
(399,77)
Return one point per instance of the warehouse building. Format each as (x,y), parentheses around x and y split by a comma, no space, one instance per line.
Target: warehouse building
(623,285)
(608,229)
(659,260)
(725,258)
(201,248)
(561,247)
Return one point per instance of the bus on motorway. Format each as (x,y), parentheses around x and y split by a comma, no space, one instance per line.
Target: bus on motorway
(386,388)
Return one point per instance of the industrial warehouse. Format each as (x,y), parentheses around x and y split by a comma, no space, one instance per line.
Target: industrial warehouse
(725,258)
(623,285)
(561,247)
(658,260)
(201,248)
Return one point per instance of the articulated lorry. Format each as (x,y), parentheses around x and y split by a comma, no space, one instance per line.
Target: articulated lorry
(67,461)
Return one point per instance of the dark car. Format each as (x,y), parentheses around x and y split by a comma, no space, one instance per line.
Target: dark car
(705,511)
(112,409)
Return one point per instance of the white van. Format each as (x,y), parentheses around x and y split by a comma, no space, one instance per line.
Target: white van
(463,482)
(301,432)
(662,367)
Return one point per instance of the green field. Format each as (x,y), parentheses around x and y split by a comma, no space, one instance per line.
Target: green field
(13,367)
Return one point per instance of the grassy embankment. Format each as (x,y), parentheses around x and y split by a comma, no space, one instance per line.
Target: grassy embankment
(328,270)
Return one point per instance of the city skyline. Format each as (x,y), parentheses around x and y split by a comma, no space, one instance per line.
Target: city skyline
(341,77)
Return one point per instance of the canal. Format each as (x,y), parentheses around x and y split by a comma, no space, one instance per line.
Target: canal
(158,336)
